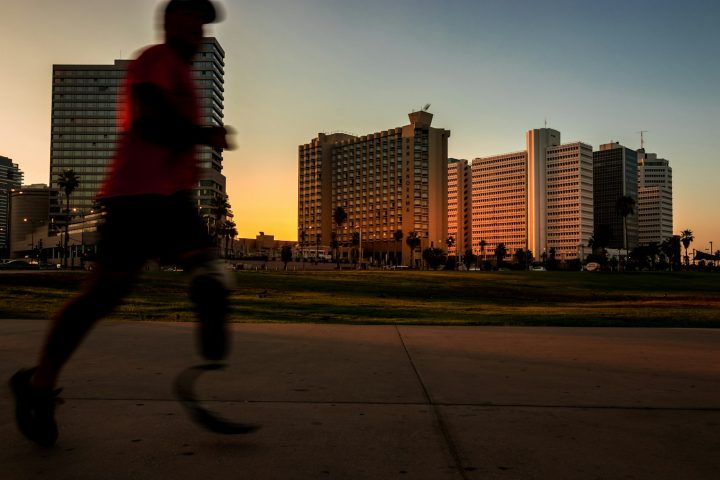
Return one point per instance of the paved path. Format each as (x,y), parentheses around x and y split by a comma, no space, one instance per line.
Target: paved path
(380,402)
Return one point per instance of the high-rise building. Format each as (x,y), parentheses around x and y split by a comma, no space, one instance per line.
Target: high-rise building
(615,173)
(459,206)
(209,74)
(385,181)
(568,219)
(539,199)
(499,203)
(655,199)
(85,127)
(11,177)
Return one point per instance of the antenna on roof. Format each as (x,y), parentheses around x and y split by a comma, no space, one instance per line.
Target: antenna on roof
(426,107)
(642,138)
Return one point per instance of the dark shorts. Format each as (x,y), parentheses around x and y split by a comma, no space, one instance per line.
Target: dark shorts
(143,227)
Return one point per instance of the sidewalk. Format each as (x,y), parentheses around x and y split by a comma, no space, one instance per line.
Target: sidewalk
(380,402)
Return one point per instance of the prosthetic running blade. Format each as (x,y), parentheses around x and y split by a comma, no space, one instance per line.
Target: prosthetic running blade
(199,413)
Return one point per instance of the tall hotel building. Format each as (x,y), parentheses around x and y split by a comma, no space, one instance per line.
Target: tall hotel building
(85,129)
(537,199)
(615,170)
(11,178)
(209,74)
(385,181)
(459,210)
(500,203)
(655,199)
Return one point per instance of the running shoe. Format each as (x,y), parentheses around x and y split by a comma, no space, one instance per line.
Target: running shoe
(35,409)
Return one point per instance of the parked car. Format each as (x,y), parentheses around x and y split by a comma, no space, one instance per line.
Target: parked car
(50,266)
(19,265)
(592,267)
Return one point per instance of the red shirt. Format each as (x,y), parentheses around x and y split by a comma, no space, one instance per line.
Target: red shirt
(142,167)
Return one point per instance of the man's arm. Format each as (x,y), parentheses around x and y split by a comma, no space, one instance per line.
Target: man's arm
(158,121)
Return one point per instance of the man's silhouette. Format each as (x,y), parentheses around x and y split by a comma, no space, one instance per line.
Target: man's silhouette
(149,212)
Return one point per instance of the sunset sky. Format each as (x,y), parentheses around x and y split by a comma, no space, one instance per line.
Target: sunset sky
(597,71)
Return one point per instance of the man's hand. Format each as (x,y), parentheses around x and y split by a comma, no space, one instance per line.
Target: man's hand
(219,137)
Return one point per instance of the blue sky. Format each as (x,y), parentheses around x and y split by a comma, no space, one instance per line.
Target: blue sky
(597,71)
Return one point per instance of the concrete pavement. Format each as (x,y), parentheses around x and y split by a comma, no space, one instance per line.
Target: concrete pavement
(380,402)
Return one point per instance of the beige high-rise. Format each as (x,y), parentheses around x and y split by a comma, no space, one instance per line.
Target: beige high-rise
(459,210)
(568,221)
(499,203)
(537,200)
(385,181)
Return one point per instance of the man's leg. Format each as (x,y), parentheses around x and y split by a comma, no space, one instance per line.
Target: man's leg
(69,327)
(210,285)
(34,389)
(210,282)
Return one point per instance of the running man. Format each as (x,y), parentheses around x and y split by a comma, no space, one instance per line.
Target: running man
(149,213)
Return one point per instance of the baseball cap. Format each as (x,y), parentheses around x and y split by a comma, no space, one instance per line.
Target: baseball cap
(210,11)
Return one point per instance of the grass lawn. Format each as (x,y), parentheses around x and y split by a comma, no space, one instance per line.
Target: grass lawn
(444,298)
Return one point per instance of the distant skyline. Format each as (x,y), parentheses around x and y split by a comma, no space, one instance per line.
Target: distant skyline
(597,71)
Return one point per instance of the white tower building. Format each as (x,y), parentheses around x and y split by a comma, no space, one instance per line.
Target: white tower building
(655,199)
(538,199)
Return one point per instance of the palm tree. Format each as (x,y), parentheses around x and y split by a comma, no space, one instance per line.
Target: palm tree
(450,242)
(625,206)
(219,208)
(667,248)
(68,182)
(686,237)
(469,259)
(228,231)
(434,257)
(398,236)
(412,241)
(340,217)
(653,251)
(483,244)
(500,253)
(356,248)
(335,246)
